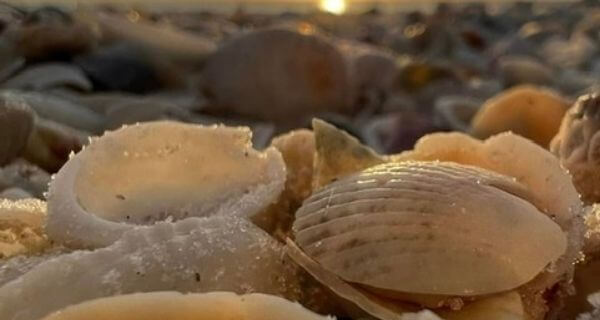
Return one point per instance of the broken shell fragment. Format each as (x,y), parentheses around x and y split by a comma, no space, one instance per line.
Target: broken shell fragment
(532,112)
(21,227)
(338,154)
(142,174)
(174,305)
(388,226)
(577,146)
(192,255)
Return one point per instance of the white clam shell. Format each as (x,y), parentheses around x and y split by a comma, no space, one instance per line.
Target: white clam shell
(192,255)
(174,305)
(159,171)
(428,228)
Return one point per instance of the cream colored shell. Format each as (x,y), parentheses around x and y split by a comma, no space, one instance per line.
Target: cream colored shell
(429,228)
(157,171)
(174,305)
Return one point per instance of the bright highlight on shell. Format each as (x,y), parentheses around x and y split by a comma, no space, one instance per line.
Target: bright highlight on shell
(333,6)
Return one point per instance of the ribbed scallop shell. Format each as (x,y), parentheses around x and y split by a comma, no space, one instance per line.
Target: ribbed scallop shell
(429,228)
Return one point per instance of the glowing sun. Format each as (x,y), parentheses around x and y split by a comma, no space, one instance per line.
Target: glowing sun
(333,6)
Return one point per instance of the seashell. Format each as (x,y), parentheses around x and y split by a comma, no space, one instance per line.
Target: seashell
(16,124)
(568,53)
(105,190)
(48,76)
(517,70)
(24,175)
(504,306)
(307,76)
(52,39)
(381,228)
(126,68)
(576,145)
(58,109)
(500,155)
(338,154)
(21,227)
(455,112)
(540,172)
(50,144)
(15,194)
(532,112)
(192,255)
(174,305)
(178,45)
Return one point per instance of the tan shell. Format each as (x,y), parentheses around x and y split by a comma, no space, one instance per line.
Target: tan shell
(338,154)
(535,168)
(532,112)
(157,171)
(503,306)
(174,305)
(21,227)
(428,228)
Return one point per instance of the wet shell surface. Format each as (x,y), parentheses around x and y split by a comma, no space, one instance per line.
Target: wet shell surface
(192,255)
(174,305)
(142,174)
(429,228)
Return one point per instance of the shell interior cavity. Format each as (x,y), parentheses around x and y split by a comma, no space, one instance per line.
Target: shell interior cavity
(422,227)
(192,255)
(150,172)
(174,305)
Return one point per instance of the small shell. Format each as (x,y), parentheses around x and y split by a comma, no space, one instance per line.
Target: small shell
(388,227)
(532,112)
(61,110)
(517,70)
(192,255)
(174,305)
(307,76)
(49,76)
(338,154)
(159,171)
(21,227)
(26,176)
(577,145)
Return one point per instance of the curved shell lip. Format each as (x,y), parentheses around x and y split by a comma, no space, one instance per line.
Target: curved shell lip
(71,224)
(241,305)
